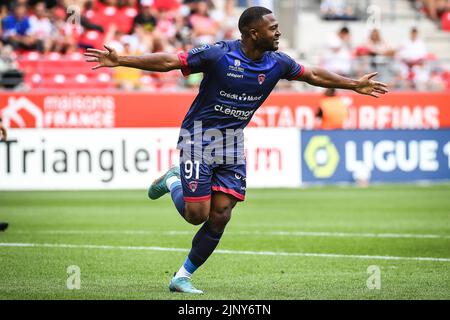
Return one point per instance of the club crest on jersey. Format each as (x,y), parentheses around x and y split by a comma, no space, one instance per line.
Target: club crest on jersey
(261,78)
(193,185)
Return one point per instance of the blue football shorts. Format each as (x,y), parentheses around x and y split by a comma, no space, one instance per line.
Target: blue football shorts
(200,179)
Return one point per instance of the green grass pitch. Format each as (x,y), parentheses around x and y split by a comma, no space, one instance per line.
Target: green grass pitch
(314,243)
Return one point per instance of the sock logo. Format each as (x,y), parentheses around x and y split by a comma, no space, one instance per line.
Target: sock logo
(193,185)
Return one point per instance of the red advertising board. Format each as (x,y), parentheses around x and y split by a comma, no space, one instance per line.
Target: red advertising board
(410,110)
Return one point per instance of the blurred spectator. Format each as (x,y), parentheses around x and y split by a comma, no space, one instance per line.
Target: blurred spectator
(434,9)
(65,35)
(114,39)
(145,26)
(10,76)
(124,44)
(140,40)
(40,26)
(374,55)
(332,112)
(230,21)
(104,13)
(17,30)
(204,27)
(4,9)
(413,51)
(376,46)
(337,10)
(445,20)
(338,56)
(413,56)
(147,17)
(166,30)
(127,13)
(362,174)
(127,78)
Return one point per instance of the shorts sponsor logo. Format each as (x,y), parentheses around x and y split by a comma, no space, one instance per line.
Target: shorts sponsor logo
(193,185)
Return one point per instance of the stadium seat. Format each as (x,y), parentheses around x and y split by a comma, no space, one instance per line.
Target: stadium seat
(445,21)
(91,38)
(55,71)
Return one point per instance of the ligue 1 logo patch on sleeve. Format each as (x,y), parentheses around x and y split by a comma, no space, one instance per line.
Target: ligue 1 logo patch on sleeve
(200,49)
(261,78)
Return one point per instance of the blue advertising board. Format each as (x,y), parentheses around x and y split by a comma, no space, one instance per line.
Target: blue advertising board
(384,155)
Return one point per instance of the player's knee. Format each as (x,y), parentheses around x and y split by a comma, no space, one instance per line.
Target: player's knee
(219,217)
(223,209)
(196,215)
(196,219)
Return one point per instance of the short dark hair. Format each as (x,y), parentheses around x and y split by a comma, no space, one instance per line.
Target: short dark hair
(344,30)
(250,16)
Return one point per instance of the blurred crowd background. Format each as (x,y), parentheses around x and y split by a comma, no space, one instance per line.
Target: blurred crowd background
(406,41)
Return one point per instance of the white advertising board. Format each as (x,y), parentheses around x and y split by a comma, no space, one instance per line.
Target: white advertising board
(70,159)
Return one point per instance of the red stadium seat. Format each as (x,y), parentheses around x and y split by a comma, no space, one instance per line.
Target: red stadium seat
(445,21)
(54,71)
(126,19)
(91,38)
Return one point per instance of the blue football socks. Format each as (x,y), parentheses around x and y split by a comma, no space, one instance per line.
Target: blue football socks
(176,192)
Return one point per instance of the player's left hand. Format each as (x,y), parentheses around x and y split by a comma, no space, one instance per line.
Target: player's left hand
(371,87)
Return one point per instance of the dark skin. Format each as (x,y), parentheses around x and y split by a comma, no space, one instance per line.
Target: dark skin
(3,132)
(256,40)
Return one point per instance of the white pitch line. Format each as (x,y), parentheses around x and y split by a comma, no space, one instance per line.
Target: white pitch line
(245,233)
(349,235)
(263,253)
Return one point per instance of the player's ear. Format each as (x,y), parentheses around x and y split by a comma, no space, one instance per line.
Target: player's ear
(253,33)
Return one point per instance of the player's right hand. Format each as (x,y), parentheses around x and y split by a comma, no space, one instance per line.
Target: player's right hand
(108,58)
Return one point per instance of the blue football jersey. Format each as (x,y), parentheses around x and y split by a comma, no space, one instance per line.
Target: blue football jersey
(233,86)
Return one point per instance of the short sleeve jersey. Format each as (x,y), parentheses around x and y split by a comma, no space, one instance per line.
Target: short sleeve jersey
(233,86)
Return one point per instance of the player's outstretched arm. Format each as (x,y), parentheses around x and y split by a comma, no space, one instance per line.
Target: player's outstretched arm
(161,62)
(323,78)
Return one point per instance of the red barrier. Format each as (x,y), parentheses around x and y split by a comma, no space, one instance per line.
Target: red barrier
(108,110)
